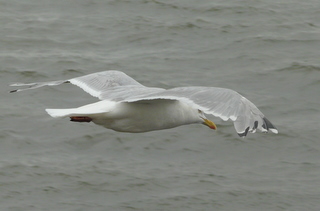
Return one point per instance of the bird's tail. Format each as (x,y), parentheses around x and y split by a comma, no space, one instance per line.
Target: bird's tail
(87,110)
(61,112)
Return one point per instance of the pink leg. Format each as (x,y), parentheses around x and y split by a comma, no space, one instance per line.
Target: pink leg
(80,119)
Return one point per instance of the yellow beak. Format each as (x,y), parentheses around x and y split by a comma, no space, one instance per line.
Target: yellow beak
(209,123)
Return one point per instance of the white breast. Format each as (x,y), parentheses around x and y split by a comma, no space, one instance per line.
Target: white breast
(148,115)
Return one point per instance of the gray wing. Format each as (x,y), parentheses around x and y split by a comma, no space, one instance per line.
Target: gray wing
(220,102)
(96,84)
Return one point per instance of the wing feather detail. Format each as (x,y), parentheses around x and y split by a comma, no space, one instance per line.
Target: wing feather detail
(98,84)
(36,85)
(220,102)
(95,84)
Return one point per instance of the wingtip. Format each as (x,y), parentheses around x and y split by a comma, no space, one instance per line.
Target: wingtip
(269,126)
(244,134)
(274,130)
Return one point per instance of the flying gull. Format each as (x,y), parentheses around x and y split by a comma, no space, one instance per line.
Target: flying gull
(127,106)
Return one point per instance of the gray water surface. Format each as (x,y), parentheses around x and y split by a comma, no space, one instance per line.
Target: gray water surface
(266,50)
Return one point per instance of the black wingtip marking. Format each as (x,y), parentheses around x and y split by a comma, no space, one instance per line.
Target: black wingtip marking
(255,125)
(244,133)
(12,91)
(267,124)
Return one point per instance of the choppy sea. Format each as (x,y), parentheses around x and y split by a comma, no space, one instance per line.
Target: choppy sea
(269,51)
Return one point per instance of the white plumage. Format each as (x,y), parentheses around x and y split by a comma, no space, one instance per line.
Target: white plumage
(128,106)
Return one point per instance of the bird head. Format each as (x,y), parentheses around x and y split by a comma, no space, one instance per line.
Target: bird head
(206,121)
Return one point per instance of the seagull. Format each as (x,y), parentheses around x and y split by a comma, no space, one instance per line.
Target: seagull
(127,106)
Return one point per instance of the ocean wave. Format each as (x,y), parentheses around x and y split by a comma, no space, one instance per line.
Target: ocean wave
(297,66)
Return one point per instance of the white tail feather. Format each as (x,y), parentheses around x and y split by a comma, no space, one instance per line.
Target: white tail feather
(87,110)
(60,112)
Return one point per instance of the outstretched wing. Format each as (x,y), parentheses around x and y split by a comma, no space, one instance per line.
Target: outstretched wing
(95,84)
(220,102)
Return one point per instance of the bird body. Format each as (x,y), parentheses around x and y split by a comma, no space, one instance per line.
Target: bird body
(134,117)
(128,106)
